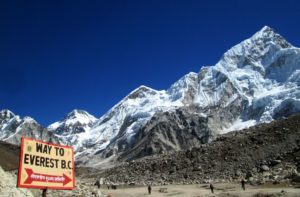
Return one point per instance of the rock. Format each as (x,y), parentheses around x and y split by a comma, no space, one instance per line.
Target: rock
(295,177)
(275,162)
(8,185)
(208,162)
(265,168)
(248,175)
(238,173)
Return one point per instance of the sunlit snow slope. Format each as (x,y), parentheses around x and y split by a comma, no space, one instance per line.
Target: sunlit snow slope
(255,81)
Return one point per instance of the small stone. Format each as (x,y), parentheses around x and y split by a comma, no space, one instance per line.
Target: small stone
(265,168)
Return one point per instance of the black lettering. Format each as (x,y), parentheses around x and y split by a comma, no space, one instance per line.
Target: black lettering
(63,164)
(26,158)
(39,147)
(51,163)
(37,160)
(69,164)
(32,158)
(49,149)
(56,163)
(42,161)
(61,152)
(47,162)
(45,149)
(56,150)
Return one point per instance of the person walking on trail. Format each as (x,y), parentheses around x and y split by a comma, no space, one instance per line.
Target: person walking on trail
(149,189)
(98,184)
(243,184)
(211,186)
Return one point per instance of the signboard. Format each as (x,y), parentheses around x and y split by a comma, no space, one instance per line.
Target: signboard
(44,165)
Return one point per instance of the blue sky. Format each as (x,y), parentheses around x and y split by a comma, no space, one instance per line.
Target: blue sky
(56,56)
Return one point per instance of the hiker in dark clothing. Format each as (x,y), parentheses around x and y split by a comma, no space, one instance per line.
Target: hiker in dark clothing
(211,186)
(98,184)
(149,189)
(44,194)
(243,184)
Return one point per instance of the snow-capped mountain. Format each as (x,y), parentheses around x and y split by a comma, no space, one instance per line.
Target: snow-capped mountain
(72,127)
(124,118)
(255,81)
(13,127)
(262,71)
(77,121)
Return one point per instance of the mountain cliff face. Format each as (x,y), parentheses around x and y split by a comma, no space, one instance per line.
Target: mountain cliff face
(74,124)
(255,81)
(13,127)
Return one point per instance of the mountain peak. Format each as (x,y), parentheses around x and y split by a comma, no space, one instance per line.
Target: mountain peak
(6,114)
(268,34)
(183,83)
(77,112)
(76,121)
(141,91)
(255,51)
(79,115)
(29,119)
(143,87)
(266,29)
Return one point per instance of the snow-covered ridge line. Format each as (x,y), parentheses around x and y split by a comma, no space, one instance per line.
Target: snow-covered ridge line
(255,81)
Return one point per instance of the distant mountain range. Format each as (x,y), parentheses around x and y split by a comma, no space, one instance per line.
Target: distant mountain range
(255,81)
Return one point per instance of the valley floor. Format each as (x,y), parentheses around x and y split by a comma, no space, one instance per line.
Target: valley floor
(229,190)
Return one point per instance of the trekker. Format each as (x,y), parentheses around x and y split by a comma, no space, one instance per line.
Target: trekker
(211,186)
(243,184)
(149,189)
(98,184)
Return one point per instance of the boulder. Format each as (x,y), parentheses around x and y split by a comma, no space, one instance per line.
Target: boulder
(265,168)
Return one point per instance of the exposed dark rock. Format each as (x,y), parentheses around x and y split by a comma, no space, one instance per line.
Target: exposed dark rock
(167,131)
(230,156)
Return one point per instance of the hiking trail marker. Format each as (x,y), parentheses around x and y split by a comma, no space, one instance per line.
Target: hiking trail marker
(44,165)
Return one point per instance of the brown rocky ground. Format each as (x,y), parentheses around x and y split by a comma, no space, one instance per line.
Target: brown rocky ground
(9,156)
(263,153)
(267,156)
(202,190)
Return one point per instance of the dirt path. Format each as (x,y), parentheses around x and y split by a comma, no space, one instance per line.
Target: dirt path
(229,190)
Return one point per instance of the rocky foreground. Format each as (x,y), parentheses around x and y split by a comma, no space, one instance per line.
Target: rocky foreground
(268,153)
(263,153)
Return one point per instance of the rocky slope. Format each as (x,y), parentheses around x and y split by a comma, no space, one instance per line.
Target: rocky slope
(176,130)
(10,154)
(267,152)
(8,185)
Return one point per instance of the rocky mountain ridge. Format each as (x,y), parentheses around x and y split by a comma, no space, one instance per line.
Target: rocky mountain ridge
(264,153)
(13,127)
(255,81)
